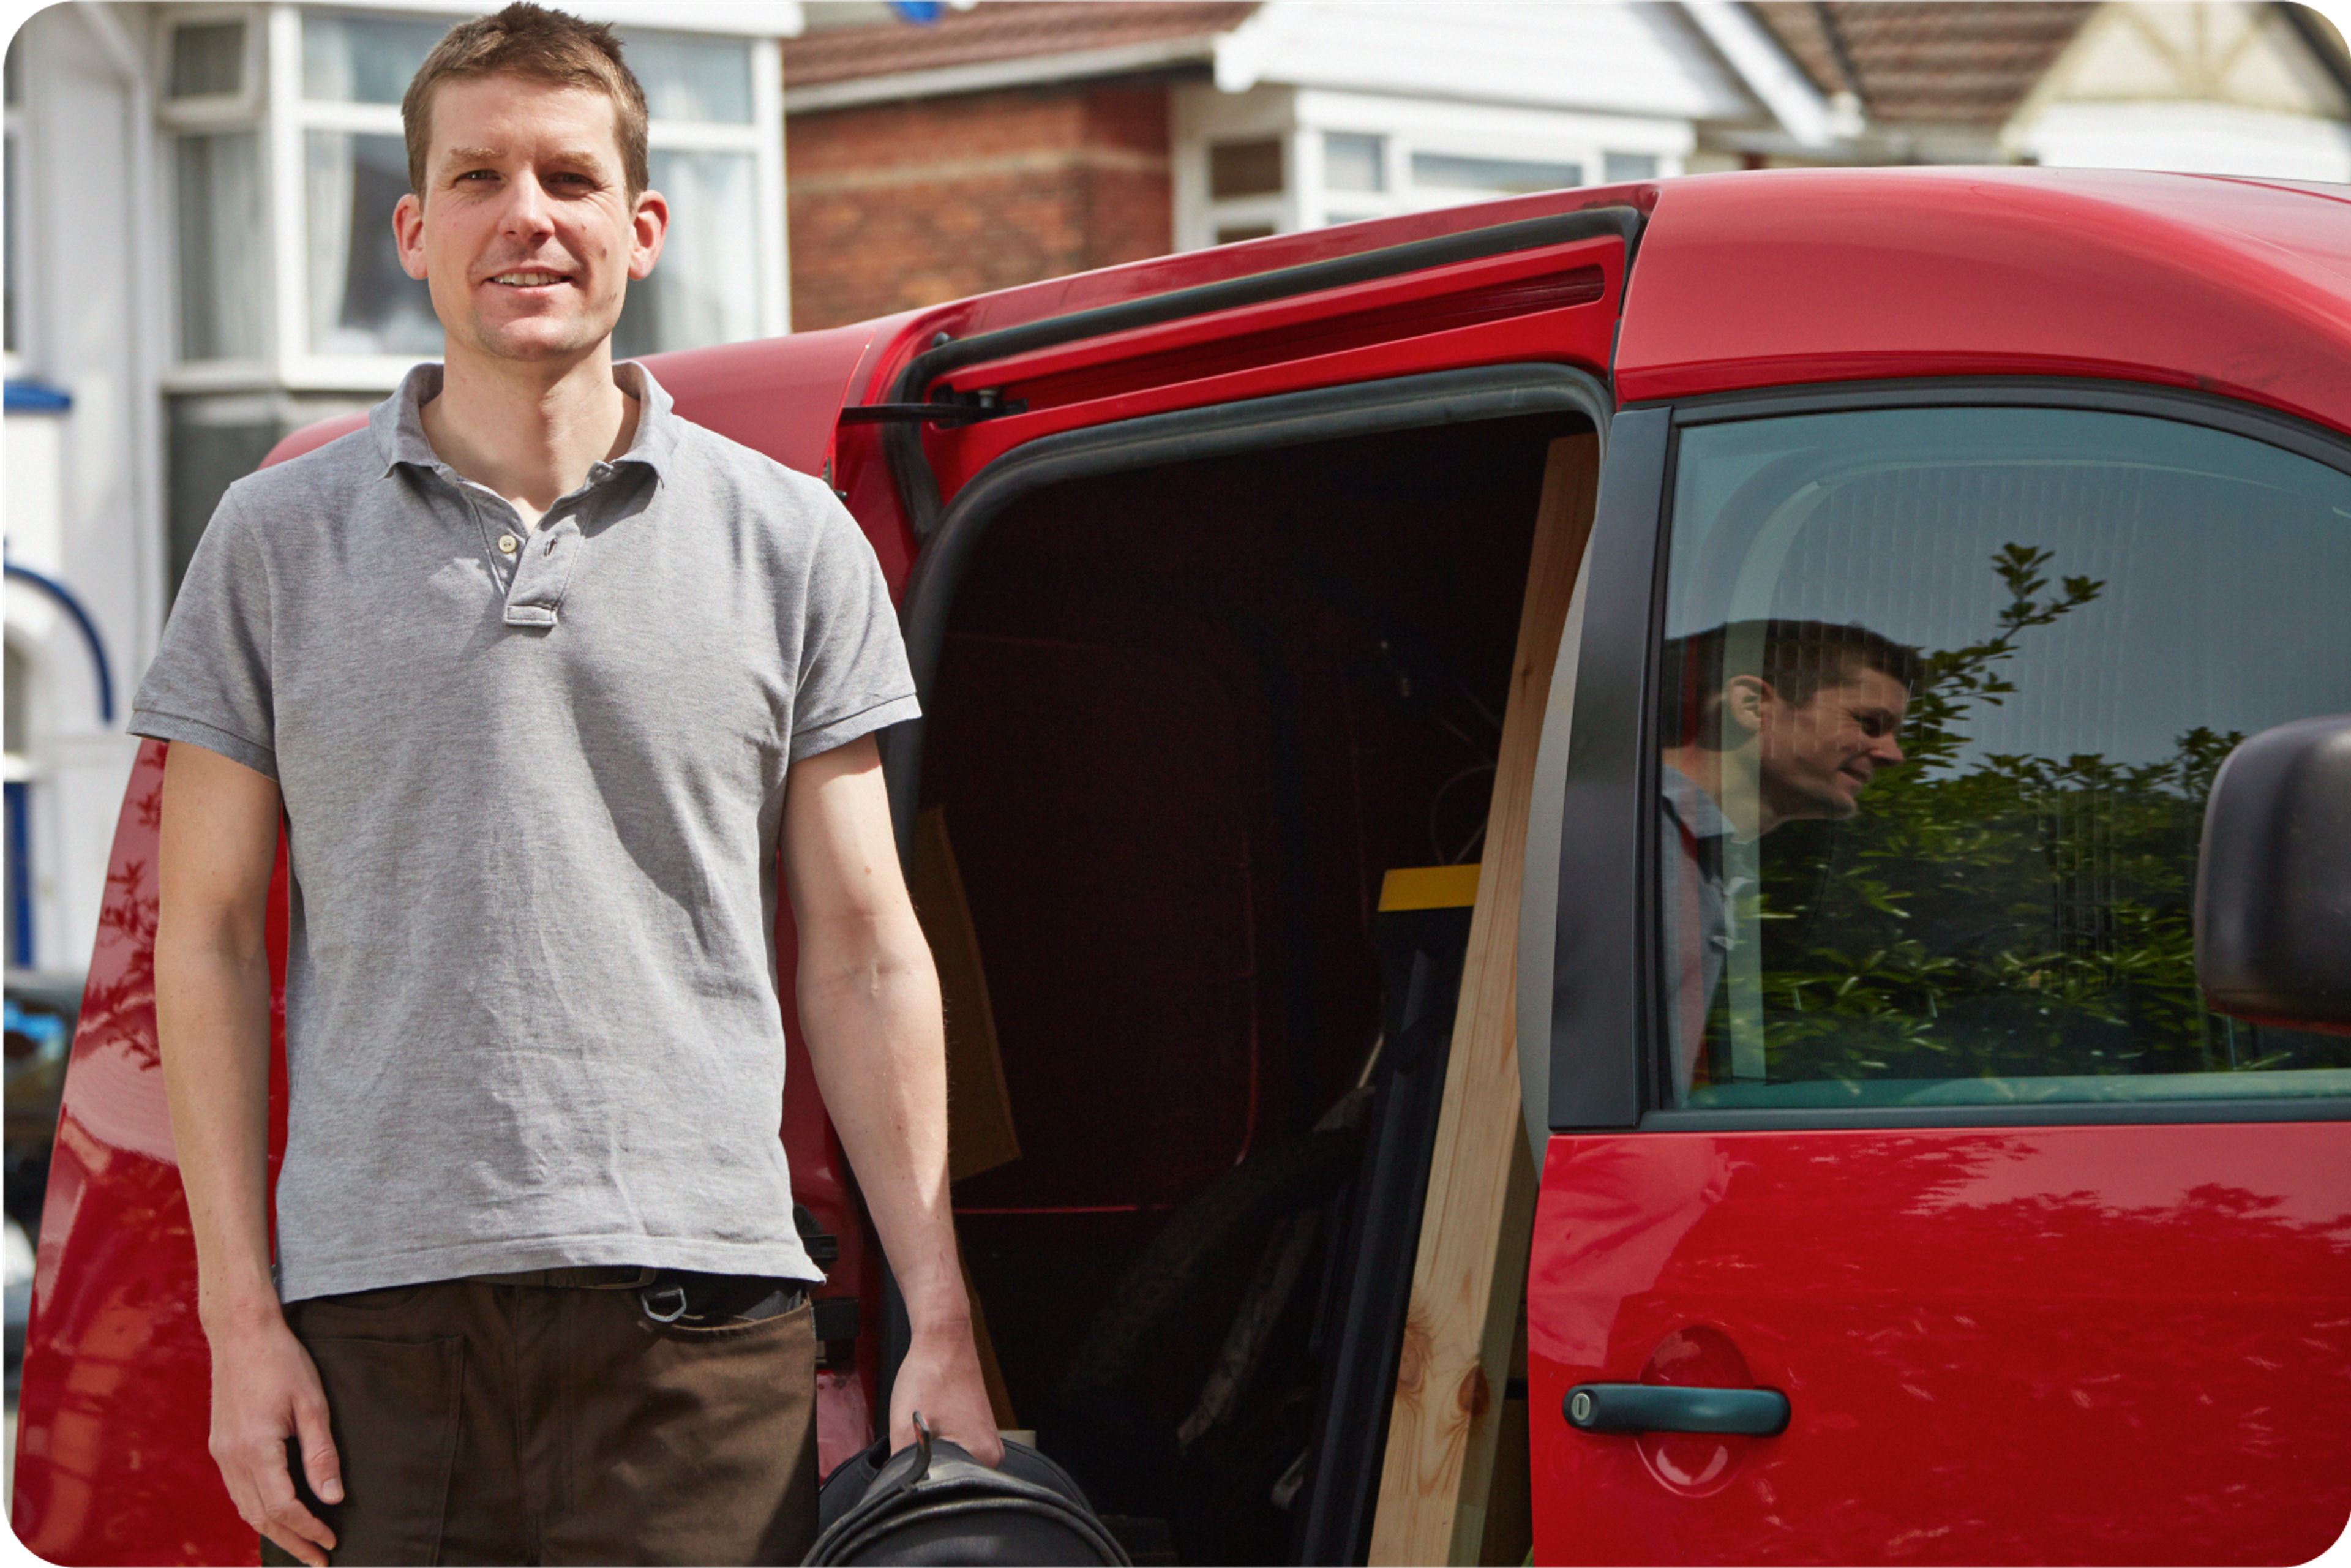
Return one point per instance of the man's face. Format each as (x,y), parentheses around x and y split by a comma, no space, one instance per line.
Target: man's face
(526,233)
(1816,758)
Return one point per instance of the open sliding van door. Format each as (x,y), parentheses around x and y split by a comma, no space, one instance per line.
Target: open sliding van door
(1208,504)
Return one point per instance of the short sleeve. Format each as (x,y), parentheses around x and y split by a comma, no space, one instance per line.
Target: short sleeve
(211,681)
(853,674)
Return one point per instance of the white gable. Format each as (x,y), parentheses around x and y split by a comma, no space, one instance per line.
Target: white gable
(1629,58)
(2218,86)
(2211,51)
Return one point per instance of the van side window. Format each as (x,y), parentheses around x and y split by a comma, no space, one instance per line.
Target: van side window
(1941,695)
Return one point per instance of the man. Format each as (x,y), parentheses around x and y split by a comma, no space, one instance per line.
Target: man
(544,682)
(1765,722)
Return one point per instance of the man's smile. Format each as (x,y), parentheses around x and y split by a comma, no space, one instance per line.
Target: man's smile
(529,279)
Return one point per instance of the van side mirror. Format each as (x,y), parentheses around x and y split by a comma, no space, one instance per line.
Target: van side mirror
(2273,879)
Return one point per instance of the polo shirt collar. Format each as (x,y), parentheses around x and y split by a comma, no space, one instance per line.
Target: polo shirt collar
(398,422)
(1695,808)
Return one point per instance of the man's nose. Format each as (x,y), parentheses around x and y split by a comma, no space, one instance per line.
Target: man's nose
(526,208)
(1887,750)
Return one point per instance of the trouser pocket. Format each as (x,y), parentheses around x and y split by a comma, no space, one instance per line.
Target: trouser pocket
(685,1444)
(391,1405)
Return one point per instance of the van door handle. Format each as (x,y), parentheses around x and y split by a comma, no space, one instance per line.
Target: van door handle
(1651,1408)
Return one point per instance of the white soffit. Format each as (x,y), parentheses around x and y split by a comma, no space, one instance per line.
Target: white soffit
(1766,69)
(1636,57)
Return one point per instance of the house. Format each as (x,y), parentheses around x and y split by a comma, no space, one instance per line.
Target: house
(199,261)
(198,201)
(2216,87)
(1023,139)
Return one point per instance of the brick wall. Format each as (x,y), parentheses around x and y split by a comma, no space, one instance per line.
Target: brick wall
(902,204)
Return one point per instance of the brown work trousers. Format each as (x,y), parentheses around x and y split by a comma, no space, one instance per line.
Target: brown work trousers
(485,1423)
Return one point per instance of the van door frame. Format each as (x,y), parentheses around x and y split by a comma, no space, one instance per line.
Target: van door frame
(1292,419)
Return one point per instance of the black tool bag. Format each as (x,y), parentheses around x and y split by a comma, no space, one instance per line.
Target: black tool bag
(932,1503)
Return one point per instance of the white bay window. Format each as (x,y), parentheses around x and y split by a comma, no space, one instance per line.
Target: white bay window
(287,159)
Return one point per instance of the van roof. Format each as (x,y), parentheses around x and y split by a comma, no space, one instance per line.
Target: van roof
(2240,287)
(1775,278)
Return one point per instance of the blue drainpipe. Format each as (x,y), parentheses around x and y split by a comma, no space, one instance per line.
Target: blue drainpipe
(19,805)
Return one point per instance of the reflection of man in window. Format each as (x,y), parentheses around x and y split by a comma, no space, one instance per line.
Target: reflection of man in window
(1763,722)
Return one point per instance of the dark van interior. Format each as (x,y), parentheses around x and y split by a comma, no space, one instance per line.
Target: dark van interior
(1185,719)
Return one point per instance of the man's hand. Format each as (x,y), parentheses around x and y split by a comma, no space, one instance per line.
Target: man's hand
(941,1378)
(265,1390)
(212,1017)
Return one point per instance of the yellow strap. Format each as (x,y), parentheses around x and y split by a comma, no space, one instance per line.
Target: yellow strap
(1430,887)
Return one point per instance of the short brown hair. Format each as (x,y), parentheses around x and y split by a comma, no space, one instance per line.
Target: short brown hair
(1795,658)
(539,44)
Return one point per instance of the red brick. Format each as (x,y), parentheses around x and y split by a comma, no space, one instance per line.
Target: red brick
(1030,184)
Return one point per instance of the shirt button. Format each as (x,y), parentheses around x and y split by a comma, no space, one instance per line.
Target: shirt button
(508,543)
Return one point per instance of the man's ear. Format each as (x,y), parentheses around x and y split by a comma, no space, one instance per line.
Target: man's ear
(408,233)
(649,224)
(1744,699)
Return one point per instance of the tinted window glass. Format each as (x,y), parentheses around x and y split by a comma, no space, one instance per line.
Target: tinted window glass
(207,59)
(1452,171)
(1354,163)
(1944,692)
(364,58)
(690,78)
(1244,168)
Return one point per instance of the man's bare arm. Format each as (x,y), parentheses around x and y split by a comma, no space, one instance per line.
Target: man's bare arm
(869,1000)
(212,1017)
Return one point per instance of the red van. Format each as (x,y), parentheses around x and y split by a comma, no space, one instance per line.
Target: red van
(1950,1219)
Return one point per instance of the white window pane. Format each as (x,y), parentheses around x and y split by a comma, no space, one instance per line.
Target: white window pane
(1451,172)
(207,59)
(1618,167)
(363,60)
(1354,163)
(687,78)
(217,181)
(705,288)
(360,300)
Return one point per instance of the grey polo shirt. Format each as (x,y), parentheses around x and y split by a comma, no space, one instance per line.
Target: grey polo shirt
(534,784)
(1697,867)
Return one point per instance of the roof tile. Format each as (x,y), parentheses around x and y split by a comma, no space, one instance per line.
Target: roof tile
(1002,30)
(1928,62)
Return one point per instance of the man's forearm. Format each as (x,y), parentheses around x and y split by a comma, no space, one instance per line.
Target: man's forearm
(211,1014)
(869,1000)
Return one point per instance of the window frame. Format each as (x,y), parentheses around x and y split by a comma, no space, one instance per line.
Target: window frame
(1606,1027)
(213,114)
(16,137)
(274,104)
(1300,118)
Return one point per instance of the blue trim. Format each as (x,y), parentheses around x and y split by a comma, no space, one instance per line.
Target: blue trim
(20,880)
(32,397)
(922,13)
(59,592)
